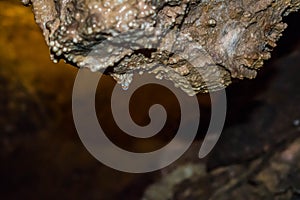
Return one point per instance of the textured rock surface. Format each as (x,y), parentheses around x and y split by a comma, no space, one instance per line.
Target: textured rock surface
(275,176)
(42,156)
(199,45)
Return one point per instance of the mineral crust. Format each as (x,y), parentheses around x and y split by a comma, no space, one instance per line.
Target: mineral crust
(199,45)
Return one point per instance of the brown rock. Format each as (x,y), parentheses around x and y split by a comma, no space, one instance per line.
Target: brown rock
(199,45)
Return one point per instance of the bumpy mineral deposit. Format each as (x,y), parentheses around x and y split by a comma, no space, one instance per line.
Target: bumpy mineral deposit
(200,45)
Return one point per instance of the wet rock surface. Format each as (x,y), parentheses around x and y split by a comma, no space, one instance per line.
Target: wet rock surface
(257,154)
(198,45)
(42,157)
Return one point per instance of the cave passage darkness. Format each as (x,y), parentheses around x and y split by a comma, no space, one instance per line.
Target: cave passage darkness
(42,156)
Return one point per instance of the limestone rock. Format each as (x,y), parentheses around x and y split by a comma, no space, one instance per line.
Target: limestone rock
(200,45)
